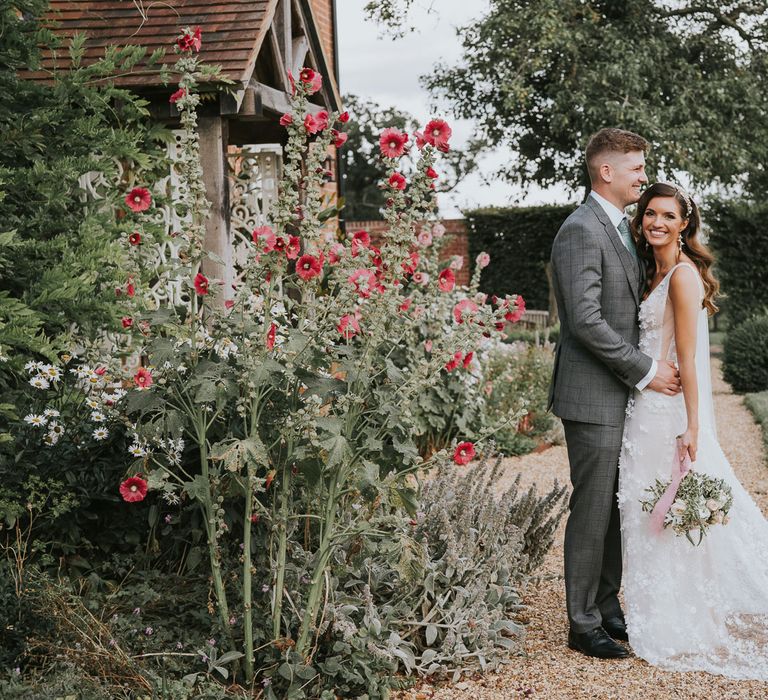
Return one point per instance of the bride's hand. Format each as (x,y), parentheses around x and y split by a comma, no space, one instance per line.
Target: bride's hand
(690,443)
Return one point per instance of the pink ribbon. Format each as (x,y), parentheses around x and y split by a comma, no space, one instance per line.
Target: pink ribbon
(681,465)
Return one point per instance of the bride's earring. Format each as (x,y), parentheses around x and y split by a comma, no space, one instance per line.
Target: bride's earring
(680,242)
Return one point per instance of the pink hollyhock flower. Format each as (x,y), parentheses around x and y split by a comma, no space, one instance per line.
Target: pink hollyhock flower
(424,238)
(483,259)
(190,41)
(339,138)
(173,99)
(431,173)
(311,124)
(344,117)
(468,359)
(481,298)
(134,238)
(322,120)
(201,284)
(517,314)
(101,371)
(266,236)
(364,282)
(360,240)
(418,312)
(229,303)
(464,453)
(143,378)
(446,280)
(437,133)
(397,181)
(335,253)
(271,336)
(453,363)
(421,141)
(138,199)
(421,278)
(315,85)
(127,322)
(438,230)
(293,247)
(464,310)
(133,489)
(308,267)
(349,326)
(457,262)
(406,304)
(286,119)
(392,143)
(428,345)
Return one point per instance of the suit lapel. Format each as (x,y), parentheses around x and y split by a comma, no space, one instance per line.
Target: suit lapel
(628,262)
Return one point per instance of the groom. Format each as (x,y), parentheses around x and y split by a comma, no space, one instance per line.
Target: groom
(597,280)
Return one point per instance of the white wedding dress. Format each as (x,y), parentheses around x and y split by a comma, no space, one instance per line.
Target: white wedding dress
(688,608)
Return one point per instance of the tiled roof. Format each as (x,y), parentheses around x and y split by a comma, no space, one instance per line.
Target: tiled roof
(233,31)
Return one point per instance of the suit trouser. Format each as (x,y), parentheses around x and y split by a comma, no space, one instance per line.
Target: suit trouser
(593,533)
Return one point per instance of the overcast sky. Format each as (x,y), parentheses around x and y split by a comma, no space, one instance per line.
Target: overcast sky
(387,71)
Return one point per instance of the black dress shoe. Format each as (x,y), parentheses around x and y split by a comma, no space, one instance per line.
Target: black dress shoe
(597,643)
(616,628)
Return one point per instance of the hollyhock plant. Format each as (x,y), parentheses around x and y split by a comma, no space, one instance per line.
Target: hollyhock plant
(133,489)
(392,143)
(322,120)
(431,173)
(127,322)
(138,199)
(424,238)
(437,133)
(349,326)
(483,259)
(190,40)
(446,280)
(464,310)
(311,124)
(339,138)
(464,453)
(308,267)
(293,247)
(335,252)
(421,278)
(453,363)
(360,241)
(364,282)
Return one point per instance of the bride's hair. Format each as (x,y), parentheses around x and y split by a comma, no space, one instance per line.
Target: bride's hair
(692,245)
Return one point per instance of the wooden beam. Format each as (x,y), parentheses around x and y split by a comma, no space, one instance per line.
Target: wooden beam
(282,26)
(274,100)
(300,48)
(274,42)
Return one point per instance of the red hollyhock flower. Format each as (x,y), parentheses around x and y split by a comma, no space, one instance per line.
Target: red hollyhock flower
(130,290)
(339,138)
(465,306)
(201,284)
(271,336)
(127,322)
(335,253)
(293,248)
(431,173)
(392,143)
(364,281)
(409,266)
(406,304)
(437,133)
(344,117)
(286,119)
(348,326)
(311,124)
(307,75)
(190,41)
(453,363)
(134,238)
(265,236)
(143,378)
(138,199)
(360,240)
(517,314)
(421,141)
(464,453)
(173,99)
(397,181)
(468,359)
(446,280)
(133,489)
(292,81)
(229,303)
(308,266)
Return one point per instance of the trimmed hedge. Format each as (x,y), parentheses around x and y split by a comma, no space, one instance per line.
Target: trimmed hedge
(519,241)
(739,237)
(745,355)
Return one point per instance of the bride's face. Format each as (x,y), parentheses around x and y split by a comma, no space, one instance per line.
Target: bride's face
(662,221)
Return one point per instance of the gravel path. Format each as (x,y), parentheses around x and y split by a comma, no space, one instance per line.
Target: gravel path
(552,671)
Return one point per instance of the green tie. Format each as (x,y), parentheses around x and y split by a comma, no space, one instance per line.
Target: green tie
(626,237)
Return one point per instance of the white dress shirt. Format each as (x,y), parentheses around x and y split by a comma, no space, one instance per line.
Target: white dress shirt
(616,216)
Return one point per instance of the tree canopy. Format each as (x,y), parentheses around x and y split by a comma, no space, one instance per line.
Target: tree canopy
(541,76)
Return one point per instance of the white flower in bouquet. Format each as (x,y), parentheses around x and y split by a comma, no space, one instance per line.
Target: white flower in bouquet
(678,507)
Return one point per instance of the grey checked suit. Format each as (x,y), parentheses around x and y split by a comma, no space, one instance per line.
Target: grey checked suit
(597,284)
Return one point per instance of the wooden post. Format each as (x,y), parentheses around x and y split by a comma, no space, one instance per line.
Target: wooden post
(213,156)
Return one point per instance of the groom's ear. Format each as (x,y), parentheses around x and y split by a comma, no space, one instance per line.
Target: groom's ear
(606,172)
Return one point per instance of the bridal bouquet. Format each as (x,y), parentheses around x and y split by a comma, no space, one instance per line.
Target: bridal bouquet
(689,502)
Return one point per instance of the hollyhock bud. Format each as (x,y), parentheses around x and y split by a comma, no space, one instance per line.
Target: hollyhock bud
(431,173)
(286,119)
(457,262)
(173,99)
(130,289)
(271,336)
(483,259)
(344,117)
(190,41)
(127,322)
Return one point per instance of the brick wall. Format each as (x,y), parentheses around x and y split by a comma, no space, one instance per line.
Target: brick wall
(454,243)
(323,12)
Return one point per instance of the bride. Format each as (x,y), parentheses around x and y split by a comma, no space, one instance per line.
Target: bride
(687,608)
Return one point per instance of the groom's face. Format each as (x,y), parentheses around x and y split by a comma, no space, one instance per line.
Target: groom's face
(627,176)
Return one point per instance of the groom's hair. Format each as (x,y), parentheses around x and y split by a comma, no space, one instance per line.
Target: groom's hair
(611,141)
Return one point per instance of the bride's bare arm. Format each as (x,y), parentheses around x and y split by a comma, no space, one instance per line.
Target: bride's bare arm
(686,305)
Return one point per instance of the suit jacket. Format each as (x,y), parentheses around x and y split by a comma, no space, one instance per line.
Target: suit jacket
(597,284)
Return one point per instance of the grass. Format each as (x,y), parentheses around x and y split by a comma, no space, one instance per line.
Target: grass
(758,404)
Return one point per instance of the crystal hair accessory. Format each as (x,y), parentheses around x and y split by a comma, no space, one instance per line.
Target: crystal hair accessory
(686,198)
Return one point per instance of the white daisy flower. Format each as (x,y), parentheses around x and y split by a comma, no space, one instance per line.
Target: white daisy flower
(35,420)
(137,450)
(33,366)
(93,403)
(39,382)
(181,369)
(98,417)
(55,429)
(51,372)
(50,439)
(51,413)
(101,434)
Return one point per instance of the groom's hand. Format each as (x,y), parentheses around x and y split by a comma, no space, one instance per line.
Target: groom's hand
(667,379)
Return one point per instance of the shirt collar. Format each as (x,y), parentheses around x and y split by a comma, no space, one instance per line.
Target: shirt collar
(614,213)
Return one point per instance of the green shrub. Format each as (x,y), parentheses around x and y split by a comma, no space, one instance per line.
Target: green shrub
(758,404)
(745,355)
